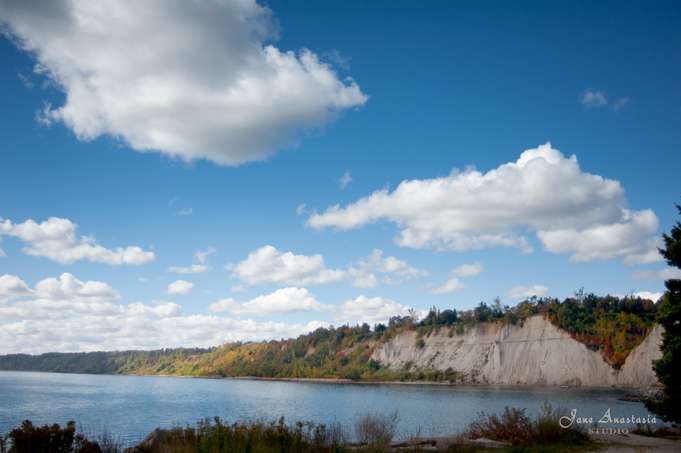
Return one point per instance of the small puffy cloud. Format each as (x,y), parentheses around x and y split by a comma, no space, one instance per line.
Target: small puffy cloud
(161,310)
(468,270)
(280,302)
(202,258)
(239,289)
(592,98)
(376,263)
(180,287)
(664,274)
(374,310)
(269,265)
(142,279)
(453,285)
(2,253)
(192,80)
(521,292)
(596,99)
(569,210)
(301,209)
(56,240)
(345,180)
(184,212)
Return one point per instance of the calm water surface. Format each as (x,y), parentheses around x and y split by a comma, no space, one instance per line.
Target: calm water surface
(133,406)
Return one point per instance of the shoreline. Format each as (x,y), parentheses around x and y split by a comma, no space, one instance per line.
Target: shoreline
(632,390)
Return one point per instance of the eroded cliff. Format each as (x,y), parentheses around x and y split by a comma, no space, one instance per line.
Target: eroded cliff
(536,354)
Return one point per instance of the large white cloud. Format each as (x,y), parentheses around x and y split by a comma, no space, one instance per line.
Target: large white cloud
(97,333)
(67,296)
(571,211)
(191,79)
(67,287)
(56,239)
(280,302)
(269,265)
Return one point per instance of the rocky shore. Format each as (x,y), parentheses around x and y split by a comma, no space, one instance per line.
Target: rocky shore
(645,394)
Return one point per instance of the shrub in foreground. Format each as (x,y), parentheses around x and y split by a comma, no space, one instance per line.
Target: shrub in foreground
(251,437)
(515,427)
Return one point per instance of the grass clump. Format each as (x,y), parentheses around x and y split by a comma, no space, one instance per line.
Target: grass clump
(44,439)
(376,431)
(520,431)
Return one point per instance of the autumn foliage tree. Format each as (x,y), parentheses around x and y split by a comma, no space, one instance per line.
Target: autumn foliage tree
(668,368)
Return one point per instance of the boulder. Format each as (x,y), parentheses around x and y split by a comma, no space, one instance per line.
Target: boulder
(153,442)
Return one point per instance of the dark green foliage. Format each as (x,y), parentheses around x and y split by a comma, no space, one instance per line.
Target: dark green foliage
(668,368)
(255,437)
(46,439)
(607,324)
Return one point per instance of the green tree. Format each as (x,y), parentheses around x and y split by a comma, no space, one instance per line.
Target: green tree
(668,368)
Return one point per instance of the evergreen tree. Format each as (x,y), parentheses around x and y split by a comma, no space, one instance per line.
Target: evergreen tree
(668,368)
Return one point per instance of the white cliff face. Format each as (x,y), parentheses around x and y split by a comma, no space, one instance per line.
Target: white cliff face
(537,354)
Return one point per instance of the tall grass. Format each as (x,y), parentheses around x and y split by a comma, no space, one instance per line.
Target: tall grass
(252,437)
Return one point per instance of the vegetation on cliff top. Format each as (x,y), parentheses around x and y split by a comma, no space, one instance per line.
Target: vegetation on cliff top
(607,324)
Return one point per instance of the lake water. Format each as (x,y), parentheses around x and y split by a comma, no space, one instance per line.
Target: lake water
(133,406)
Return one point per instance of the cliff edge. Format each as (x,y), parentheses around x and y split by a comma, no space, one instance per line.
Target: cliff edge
(536,354)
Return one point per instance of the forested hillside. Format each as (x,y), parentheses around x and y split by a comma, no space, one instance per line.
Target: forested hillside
(613,326)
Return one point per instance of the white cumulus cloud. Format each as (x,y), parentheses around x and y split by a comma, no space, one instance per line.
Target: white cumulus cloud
(570,211)
(453,285)
(202,258)
(180,287)
(521,292)
(280,302)
(56,240)
(193,80)
(596,99)
(66,297)
(345,180)
(468,270)
(269,265)
(67,287)
(375,262)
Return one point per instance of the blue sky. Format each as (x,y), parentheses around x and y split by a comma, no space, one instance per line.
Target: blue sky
(193,173)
